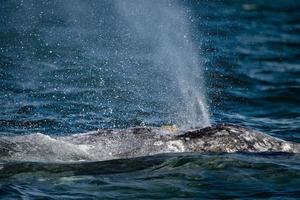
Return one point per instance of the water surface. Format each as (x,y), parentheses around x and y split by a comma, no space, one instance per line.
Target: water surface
(70,68)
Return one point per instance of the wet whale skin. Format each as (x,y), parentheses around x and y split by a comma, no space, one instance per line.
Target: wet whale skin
(140,141)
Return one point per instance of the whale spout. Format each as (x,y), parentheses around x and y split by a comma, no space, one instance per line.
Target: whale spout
(139,141)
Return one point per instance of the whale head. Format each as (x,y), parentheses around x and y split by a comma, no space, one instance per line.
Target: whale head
(233,138)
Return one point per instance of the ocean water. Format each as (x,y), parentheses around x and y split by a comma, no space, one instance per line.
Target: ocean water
(73,67)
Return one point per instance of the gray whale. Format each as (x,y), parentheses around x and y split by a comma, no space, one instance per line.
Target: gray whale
(139,141)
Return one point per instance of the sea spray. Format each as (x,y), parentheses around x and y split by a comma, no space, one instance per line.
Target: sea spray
(165,26)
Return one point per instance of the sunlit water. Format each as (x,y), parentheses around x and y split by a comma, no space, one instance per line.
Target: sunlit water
(75,67)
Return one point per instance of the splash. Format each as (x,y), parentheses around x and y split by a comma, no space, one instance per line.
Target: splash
(164,25)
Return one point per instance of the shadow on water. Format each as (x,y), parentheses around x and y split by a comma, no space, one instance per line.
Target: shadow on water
(164,176)
(172,160)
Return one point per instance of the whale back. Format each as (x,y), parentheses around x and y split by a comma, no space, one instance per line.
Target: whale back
(139,141)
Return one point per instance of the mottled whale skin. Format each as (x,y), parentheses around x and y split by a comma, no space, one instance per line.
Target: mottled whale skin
(139,141)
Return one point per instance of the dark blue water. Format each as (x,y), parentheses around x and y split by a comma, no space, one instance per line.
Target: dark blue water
(71,67)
